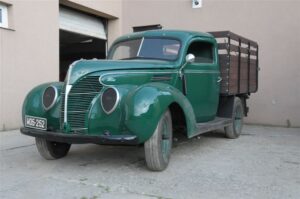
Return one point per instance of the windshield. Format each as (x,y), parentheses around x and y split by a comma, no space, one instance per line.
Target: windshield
(146,48)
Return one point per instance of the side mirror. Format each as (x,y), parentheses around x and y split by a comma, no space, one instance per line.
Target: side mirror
(190,58)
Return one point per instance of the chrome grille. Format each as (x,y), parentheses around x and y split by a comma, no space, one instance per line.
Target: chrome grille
(79,101)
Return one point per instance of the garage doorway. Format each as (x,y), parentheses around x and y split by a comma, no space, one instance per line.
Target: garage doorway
(81,36)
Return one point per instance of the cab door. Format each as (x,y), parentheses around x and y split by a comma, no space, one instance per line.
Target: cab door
(202,79)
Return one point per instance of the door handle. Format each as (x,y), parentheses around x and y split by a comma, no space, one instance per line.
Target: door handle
(219,79)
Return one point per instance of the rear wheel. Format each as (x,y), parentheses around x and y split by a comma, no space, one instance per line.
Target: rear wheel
(51,150)
(234,130)
(158,147)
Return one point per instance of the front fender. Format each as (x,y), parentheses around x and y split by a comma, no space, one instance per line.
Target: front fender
(33,105)
(145,106)
(100,122)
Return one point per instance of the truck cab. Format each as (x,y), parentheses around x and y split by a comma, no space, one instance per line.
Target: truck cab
(151,83)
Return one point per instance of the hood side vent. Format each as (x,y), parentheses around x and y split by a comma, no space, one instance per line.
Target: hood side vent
(161,78)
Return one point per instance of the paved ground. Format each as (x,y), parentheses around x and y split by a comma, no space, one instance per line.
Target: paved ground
(263,163)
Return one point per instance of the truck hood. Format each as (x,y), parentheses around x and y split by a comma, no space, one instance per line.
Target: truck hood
(84,67)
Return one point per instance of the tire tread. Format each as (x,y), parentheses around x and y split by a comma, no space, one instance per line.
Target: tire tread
(153,155)
(230,130)
(47,150)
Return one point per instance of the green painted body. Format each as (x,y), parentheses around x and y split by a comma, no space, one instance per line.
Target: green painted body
(147,88)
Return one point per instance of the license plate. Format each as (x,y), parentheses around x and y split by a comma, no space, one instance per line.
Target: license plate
(36,122)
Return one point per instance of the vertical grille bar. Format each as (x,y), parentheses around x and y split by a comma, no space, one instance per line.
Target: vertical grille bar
(62,109)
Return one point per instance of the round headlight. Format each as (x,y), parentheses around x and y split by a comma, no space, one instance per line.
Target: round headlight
(49,97)
(109,100)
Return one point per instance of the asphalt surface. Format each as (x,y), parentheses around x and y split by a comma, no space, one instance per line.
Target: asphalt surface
(263,163)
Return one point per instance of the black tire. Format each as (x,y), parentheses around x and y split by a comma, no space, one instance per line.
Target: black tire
(235,129)
(51,150)
(158,147)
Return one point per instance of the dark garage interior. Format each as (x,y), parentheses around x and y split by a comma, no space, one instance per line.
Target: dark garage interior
(74,46)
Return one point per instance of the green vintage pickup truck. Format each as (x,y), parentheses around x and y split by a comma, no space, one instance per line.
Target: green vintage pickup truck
(152,83)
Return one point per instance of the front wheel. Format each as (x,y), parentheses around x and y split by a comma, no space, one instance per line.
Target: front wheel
(158,147)
(51,150)
(235,128)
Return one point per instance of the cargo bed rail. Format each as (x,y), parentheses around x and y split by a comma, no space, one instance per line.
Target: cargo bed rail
(238,57)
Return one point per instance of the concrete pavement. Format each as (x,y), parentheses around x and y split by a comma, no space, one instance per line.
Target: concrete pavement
(263,163)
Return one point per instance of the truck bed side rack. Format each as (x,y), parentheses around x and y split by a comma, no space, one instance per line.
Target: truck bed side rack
(238,58)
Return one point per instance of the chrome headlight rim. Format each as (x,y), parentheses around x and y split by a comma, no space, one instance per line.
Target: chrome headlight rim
(54,99)
(116,101)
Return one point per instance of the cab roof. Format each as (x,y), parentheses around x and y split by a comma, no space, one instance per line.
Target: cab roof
(178,34)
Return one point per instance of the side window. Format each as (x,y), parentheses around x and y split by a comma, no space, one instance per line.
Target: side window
(203,52)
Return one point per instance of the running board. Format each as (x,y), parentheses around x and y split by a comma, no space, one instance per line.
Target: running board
(217,123)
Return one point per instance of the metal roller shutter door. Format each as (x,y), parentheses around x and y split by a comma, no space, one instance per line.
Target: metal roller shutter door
(81,23)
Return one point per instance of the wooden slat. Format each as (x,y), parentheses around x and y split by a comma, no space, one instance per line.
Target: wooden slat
(234,48)
(244,75)
(253,52)
(221,34)
(224,58)
(243,39)
(244,50)
(234,59)
(253,61)
(222,46)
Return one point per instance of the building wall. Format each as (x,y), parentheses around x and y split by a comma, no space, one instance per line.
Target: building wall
(29,49)
(273,24)
(29,55)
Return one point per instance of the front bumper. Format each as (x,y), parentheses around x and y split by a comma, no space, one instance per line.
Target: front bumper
(81,139)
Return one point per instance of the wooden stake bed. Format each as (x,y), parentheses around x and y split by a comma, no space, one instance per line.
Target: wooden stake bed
(238,58)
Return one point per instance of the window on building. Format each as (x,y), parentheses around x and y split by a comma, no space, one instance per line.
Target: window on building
(3,16)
